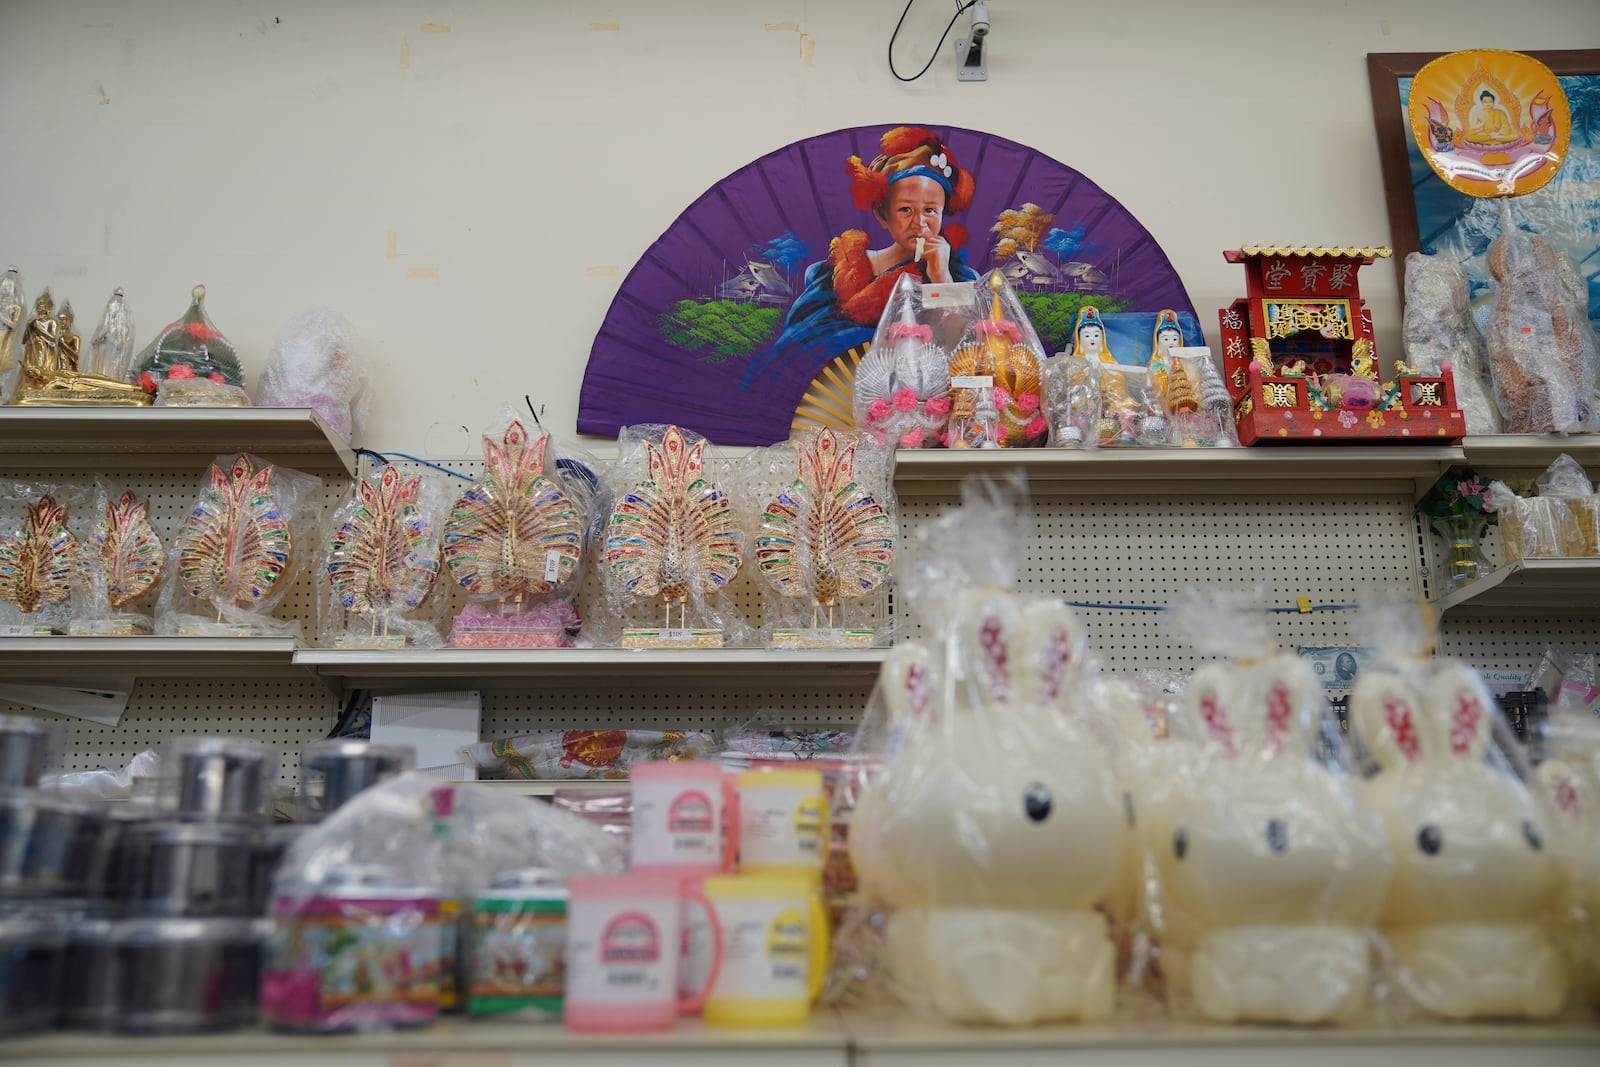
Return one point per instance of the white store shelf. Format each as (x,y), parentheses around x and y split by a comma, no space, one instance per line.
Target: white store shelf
(112,438)
(1522,455)
(1566,587)
(1323,469)
(417,669)
(29,658)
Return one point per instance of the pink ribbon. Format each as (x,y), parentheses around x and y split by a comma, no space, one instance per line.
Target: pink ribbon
(1004,329)
(911,330)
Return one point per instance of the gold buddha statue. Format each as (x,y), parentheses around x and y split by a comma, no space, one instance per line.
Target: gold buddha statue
(51,356)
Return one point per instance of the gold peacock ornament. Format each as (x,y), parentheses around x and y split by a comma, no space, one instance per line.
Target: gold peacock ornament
(384,557)
(37,561)
(124,553)
(236,546)
(996,383)
(675,534)
(825,537)
(515,534)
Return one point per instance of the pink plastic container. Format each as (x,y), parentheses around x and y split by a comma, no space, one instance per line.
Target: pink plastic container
(685,818)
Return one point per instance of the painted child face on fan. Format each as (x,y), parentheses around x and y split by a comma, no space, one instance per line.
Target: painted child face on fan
(913,216)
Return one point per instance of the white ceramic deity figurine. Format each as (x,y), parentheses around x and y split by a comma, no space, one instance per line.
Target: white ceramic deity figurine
(997,830)
(1474,879)
(1273,870)
(1573,792)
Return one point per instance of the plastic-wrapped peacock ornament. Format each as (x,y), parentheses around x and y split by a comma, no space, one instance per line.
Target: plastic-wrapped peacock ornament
(120,562)
(825,539)
(235,549)
(382,560)
(37,561)
(514,542)
(674,536)
(902,387)
(997,380)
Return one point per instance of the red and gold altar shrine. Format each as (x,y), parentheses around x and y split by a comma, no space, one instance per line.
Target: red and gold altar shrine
(1301,363)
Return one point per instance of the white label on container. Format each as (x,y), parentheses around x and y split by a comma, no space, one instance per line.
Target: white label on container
(675,824)
(552,566)
(972,381)
(620,953)
(947,294)
(780,826)
(765,949)
(676,633)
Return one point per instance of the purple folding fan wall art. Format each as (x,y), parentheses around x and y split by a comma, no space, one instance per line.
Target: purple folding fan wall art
(728,317)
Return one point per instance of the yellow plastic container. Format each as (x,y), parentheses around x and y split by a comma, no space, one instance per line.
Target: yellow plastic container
(774,949)
(783,822)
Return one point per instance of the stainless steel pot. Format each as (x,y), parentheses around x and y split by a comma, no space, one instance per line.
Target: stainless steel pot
(48,845)
(332,772)
(25,742)
(173,975)
(219,778)
(187,870)
(32,954)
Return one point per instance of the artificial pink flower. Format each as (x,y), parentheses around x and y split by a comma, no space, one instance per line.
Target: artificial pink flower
(905,400)
(1028,402)
(1000,396)
(217,377)
(147,382)
(180,372)
(1470,488)
(1036,426)
(912,438)
(878,410)
(937,406)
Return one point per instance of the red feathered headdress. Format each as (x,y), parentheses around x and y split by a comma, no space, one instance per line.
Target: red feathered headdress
(903,148)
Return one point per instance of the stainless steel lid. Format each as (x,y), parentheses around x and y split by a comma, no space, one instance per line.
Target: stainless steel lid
(141,932)
(172,832)
(335,771)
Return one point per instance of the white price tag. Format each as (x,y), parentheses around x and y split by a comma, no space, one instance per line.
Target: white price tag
(552,566)
(972,381)
(947,294)
(677,633)
(18,631)
(1193,351)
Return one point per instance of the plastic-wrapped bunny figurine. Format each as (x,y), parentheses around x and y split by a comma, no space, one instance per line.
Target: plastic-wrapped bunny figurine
(997,829)
(1274,871)
(316,362)
(1573,793)
(1473,878)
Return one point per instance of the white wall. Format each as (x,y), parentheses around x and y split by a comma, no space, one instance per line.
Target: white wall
(519,156)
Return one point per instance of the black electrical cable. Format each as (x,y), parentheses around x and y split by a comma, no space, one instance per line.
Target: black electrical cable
(961,10)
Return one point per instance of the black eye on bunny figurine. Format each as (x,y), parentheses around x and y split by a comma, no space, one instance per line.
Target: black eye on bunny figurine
(1277,835)
(1036,801)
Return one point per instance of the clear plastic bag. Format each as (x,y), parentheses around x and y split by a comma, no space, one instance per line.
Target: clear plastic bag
(997,376)
(381,562)
(516,539)
(121,563)
(13,317)
(1569,779)
(1199,410)
(317,362)
(1466,915)
(237,553)
(1270,867)
(989,827)
(1542,349)
(40,555)
(824,539)
(1130,410)
(902,386)
(1439,332)
(675,542)
(1072,401)
(586,754)
(1547,526)
(191,364)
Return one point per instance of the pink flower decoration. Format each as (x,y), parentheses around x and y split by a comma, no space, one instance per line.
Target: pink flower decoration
(147,382)
(878,410)
(179,372)
(1469,488)
(1001,396)
(912,438)
(217,377)
(937,406)
(905,400)
(1028,402)
(1036,426)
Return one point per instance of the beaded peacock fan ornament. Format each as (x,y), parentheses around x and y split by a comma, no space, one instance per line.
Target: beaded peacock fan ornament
(515,535)
(674,535)
(383,558)
(997,382)
(825,539)
(120,562)
(236,547)
(37,561)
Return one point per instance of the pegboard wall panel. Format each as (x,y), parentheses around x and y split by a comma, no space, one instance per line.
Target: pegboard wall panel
(511,714)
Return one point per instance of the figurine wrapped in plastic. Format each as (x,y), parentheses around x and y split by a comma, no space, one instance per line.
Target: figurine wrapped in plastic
(1072,401)
(381,564)
(38,558)
(1542,351)
(1474,885)
(826,538)
(119,565)
(1569,777)
(1546,526)
(54,372)
(1273,869)
(235,555)
(1130,413)
(997,377)
(902,387)
(191,364)
(673,538)
(515,542)
(995,833)
(1440,334)
(1199,410)
(316,363)
(13,309)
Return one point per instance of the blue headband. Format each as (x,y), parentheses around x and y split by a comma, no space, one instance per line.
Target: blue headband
(921,171)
